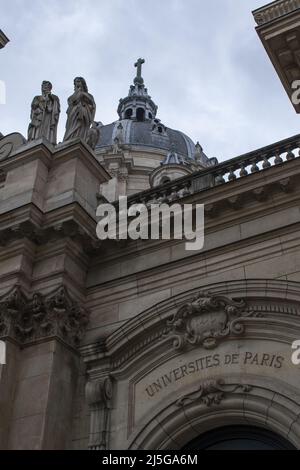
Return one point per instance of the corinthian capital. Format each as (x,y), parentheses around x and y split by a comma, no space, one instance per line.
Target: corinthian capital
(42,316)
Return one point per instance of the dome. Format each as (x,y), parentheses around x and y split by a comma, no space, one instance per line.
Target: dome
(138,126)
(147,134)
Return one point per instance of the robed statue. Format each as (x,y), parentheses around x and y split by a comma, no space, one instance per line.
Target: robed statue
(45,109)
(81,111)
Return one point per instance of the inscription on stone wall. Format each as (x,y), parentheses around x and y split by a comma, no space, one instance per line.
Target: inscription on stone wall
(211,361)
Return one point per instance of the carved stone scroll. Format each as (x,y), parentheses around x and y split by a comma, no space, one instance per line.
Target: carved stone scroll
(212,392)
(99,395)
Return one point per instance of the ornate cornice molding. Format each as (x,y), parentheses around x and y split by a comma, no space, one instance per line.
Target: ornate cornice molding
(56,314)
(41,235)
(275,10)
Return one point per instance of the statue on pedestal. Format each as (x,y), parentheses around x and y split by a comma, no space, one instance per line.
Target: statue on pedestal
(45,109)
(93,135)
(81,111)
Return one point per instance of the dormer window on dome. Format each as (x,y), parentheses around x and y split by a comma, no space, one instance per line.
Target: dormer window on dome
(138,105)
(158,127)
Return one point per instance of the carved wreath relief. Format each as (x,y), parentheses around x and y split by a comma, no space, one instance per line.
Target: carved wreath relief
(206,320)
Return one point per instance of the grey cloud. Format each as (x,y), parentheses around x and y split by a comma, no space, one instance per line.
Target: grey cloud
(205,67)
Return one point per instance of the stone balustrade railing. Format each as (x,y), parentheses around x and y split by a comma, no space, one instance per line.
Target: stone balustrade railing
(275,10)
(259,160)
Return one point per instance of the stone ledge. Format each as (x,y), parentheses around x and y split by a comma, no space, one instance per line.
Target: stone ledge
(274,10)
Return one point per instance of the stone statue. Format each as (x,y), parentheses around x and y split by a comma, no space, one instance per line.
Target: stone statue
(116,146)
(81,111)
(93,135)
(198,148)
(45,109)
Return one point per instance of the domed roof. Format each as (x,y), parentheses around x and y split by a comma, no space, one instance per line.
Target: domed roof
(138,126)
(151,133)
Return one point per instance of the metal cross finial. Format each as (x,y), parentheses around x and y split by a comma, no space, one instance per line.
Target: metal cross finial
(138,79)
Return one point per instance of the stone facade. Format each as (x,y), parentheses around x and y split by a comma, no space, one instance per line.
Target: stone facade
(143,344)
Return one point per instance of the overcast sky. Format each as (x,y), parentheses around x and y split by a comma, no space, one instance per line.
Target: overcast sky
(205,66)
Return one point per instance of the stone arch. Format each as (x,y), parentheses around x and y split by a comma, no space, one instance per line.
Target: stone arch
(128,113)
(140,114)
(173,428)
(255,317)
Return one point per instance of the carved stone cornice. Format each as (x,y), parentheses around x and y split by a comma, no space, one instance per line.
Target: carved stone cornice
(207,320)
(279,30)
(212,392)
(42,316)
(41,235)
(275,10)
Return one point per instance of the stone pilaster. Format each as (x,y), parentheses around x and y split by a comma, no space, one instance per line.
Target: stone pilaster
(42,334)
(47,231)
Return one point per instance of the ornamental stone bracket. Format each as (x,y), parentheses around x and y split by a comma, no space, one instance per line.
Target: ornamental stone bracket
(56,314)
(212,392)
(99,393)
(207,320)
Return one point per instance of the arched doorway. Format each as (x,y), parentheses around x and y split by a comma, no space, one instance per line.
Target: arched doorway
(234,370)
(239,438)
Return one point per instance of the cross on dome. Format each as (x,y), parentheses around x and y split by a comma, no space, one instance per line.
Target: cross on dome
(138,79)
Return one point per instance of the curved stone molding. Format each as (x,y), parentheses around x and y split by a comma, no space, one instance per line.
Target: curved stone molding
(10,144)
(237,336)
(212,392)
(206,320)
(266,299)
(174,426)
(99,395)
(53,315)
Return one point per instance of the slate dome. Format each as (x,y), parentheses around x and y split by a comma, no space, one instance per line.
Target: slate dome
(138,126)
(147,134)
